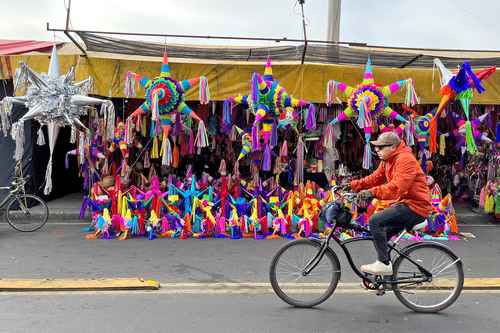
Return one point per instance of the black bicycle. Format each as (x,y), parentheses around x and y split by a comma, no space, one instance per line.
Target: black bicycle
(427,276)
(24,212)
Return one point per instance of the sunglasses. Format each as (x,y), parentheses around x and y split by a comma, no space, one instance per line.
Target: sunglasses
(378,148)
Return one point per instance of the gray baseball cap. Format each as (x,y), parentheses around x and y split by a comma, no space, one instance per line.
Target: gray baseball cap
(387,139)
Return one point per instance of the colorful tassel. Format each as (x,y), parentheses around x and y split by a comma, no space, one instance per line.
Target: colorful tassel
(329,138)
(311,117)
(323,114)
(266,162)
(423,163)
(409,130)
(147,162)
(152,129)
(433,135)
(222,167)
(154,149)
(482,196)
(234,134)
(255,138)
(497,135)
(129,134)
(299,168)
(144,129)
(364,119)
(191,142)
(254,94)
(284,150)
(489,204)
(166,152)
(155,108)
(175,156)
(469,138)
(201,136)
(442,144)
(226,115)
(204,92)
(367,155)
(331,92)
(274,135)
(178,124)
(411,97)
(138,124)
(131,84)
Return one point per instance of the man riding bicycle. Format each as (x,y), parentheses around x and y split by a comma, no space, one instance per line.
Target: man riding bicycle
(398,177)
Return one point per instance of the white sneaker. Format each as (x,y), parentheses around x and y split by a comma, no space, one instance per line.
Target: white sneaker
(377,268)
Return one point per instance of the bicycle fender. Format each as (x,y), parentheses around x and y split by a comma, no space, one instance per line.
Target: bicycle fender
(319,242)
(405,249)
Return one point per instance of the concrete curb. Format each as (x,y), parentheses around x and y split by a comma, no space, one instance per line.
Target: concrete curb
(124,284)
(469,284)
(78,284)
(473,283)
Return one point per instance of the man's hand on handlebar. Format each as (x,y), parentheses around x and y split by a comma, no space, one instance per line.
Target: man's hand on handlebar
(364,198)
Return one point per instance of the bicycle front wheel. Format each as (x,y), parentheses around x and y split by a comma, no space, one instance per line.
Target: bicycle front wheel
(27,213)
(441,291)
(297,289)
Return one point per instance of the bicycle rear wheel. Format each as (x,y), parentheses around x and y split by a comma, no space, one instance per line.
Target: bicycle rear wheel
(301,290)
(27,213)
(438,293)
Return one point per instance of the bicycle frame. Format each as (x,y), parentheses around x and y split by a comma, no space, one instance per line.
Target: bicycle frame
(14,190)
(325,245)
(7,198)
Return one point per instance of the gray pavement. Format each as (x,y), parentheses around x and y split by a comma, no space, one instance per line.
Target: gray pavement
(61,251)
(156,312)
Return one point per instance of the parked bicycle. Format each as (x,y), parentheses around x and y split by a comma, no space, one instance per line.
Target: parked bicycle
(427,276)
(24,212)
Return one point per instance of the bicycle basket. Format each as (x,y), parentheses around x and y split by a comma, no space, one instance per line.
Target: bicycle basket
(336,211)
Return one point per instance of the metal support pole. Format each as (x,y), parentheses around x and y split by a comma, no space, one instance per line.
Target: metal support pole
(68,15)
(277,40)
(301,2)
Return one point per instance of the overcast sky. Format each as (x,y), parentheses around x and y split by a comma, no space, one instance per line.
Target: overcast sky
(459,24)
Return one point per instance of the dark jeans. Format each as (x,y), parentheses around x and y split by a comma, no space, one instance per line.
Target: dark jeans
(388,223)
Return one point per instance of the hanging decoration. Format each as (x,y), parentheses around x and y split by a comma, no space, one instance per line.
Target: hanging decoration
(165,99)
(273,108)
(52,100)
(367,101)
(459,86)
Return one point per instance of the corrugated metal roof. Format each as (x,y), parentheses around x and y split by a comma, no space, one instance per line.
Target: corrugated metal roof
(10,47)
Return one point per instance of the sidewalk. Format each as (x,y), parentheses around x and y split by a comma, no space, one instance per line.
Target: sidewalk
(67,209)
(467,216)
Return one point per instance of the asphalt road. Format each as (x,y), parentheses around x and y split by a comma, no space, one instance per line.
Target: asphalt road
(61,251)
(160,312)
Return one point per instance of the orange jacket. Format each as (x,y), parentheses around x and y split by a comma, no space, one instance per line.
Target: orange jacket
(399,178)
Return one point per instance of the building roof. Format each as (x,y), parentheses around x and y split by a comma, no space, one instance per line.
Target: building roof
(10,47)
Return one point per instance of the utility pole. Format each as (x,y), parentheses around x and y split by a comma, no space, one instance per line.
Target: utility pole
(333,30)
(333,20)
(67,15)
